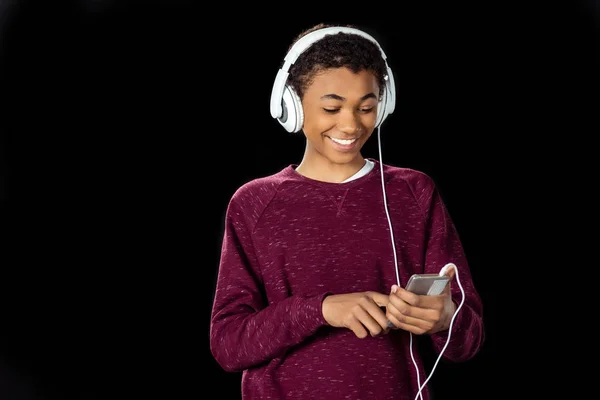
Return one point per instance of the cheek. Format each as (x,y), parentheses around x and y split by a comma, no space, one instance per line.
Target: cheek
(316,122)
(368,120)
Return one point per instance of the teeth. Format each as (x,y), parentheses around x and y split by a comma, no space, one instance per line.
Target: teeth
(342,141)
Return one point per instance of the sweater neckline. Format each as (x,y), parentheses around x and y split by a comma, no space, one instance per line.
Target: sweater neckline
(290,172)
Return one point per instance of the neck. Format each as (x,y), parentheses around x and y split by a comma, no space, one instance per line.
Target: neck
(320,168)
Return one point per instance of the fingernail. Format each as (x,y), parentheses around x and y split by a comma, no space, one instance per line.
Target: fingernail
(394,288)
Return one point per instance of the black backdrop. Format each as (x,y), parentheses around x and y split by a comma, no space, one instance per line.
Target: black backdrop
(128,125)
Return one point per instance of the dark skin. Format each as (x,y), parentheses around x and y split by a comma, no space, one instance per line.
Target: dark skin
(421,314)
(340,109)
(362,312)
(339,105)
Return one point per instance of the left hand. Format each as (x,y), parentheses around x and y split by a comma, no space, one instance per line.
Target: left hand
(421,314)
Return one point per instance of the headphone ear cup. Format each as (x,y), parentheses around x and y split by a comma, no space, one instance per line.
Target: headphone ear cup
(293,115)
(382,108)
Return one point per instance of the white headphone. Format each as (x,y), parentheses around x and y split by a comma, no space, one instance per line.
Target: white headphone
(286,106)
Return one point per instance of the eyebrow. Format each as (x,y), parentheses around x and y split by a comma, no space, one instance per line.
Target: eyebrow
(337,97)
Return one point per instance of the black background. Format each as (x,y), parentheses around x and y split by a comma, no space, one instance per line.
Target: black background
(126,127)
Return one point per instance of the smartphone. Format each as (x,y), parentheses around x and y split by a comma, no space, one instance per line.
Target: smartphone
(427,284)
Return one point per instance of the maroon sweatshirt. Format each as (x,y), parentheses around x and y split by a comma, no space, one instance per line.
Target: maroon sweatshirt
(290,241)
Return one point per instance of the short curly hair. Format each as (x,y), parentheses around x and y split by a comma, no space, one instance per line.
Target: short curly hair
(336,51)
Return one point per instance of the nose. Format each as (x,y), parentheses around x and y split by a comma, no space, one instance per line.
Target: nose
(349,122)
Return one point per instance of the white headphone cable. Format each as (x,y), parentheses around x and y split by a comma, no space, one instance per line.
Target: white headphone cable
(419,394)
(385,204)
(449,334)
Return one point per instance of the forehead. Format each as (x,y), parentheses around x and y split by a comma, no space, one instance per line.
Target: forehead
(343,82)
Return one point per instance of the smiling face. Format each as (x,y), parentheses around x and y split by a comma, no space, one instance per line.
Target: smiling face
(340,111)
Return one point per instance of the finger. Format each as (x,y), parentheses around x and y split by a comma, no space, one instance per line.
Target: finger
(406,296)
(393,314)
(411,324)
(374,310)
(359,330)
(407,327)
(449,270)
(369,322)
(421,302)
(379,298)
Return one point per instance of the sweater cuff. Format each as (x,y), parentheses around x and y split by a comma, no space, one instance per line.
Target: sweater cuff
(460,321)
(307,314)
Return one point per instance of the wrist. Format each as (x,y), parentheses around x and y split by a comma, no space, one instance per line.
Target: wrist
(450,314)
(325,300)
(325,308)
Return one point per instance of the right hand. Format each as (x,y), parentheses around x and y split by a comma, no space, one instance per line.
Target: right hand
(359,312)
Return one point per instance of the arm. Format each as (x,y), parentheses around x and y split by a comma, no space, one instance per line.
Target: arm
(444,246)
(245,330)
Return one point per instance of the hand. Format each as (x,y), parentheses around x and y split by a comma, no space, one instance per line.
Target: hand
(421,314)
(359,312)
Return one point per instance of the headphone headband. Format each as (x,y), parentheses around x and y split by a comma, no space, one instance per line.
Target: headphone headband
(307,40)
(279,87)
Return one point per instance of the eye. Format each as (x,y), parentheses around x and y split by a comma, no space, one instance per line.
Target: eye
(365,110)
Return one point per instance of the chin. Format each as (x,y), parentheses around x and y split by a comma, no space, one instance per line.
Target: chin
(343,158)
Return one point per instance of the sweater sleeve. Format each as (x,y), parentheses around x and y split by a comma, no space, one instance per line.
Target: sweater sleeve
(444,246)
(246,330)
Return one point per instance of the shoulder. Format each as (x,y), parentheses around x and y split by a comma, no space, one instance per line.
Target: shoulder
(420,183)
(254,196)
(259,189)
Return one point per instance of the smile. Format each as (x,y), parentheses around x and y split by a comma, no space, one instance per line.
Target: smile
(345,142)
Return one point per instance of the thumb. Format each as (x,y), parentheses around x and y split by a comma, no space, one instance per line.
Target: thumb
(449,270)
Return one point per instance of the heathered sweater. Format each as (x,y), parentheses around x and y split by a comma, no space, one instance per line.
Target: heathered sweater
(289,241)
